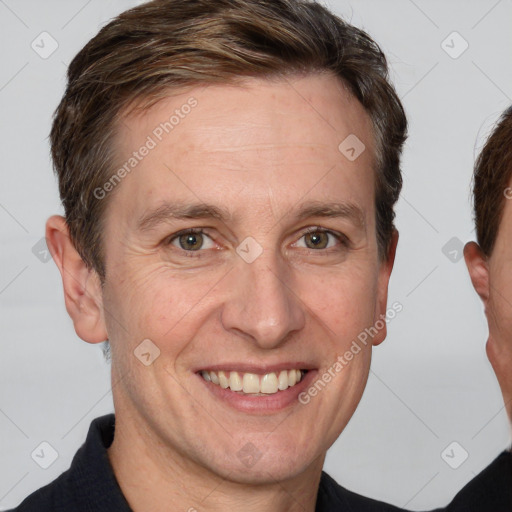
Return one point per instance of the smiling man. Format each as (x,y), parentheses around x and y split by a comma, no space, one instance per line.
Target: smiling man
(230,232)
(228,243)
(228,170)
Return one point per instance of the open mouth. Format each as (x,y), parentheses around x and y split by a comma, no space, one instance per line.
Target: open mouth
(253,383)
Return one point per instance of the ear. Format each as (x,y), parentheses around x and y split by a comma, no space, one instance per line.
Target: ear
(386,267)
(478,268)
(82,286)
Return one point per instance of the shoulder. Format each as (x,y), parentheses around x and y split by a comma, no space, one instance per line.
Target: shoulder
(333,497)
(489,491)
(57,496)
(89,482)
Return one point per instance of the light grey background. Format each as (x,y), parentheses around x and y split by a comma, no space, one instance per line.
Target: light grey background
(430,384)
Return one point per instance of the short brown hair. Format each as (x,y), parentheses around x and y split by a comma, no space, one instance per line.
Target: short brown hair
(168,44)
(493,170)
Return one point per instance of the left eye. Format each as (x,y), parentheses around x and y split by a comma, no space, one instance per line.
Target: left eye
(319,239)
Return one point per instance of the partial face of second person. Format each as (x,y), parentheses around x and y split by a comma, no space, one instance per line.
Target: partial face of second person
(264,157)
(491,276)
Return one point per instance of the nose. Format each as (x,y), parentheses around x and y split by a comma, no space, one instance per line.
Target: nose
(263,305)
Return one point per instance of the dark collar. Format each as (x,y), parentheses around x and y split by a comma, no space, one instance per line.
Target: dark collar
(89,485)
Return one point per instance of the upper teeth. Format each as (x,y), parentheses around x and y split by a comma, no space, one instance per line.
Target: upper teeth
(252,382)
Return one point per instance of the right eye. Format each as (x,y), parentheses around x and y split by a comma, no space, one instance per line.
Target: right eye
(191,240)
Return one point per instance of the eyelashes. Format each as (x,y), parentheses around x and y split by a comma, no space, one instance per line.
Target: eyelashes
(340,237)
(194,242)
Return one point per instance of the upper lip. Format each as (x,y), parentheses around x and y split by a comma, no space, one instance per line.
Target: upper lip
(260,369)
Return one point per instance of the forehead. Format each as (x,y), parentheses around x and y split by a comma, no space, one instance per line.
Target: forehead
(263,141)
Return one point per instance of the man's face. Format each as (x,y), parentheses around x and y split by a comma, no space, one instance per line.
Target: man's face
(499,304)
(251,291)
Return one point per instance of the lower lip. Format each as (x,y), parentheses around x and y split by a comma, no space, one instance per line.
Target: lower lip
(261,404)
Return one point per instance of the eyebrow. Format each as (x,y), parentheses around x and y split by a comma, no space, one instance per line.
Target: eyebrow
(181,211)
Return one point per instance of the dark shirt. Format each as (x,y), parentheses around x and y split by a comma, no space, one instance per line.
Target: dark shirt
(89,485)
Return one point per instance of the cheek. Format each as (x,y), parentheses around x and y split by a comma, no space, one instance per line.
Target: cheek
(166,307)
(499,306)
(149,295)
(499,312)
(345,300)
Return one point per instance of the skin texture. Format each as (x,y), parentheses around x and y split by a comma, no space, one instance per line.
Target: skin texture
(259,150)
(492,280)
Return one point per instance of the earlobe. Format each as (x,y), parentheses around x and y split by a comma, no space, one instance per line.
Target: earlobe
(478,269)
(82,286)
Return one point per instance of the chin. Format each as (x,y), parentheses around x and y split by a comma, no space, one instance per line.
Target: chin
(248,466)
(263,473)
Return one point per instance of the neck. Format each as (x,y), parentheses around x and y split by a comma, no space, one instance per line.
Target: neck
(154,478)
